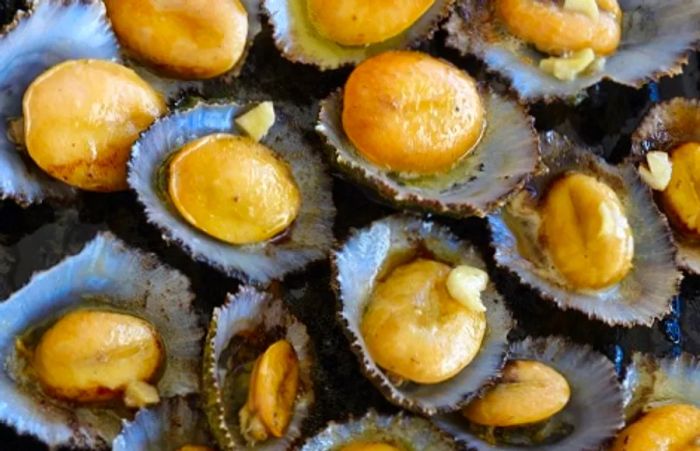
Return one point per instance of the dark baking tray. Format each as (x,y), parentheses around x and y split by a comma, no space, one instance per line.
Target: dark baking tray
(37,237)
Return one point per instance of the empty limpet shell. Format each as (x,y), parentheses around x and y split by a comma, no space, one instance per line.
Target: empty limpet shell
(176,424)
(672,128)
(591,417)
(661,397)
(375,432)
(185,40)
(37,40)
(443,144)
(331,34)
(657,38)
(365,260)
(271,238)
(106,276)
(622,294)
(250,334)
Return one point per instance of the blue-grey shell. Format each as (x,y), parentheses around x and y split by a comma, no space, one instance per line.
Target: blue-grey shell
(357,266)
(500,164)
(657,37)
(309,237)
(411,432)
(123,279)
(251,310)
(297,39)
(51,32)
(645,293)
(173,423)
(595,408)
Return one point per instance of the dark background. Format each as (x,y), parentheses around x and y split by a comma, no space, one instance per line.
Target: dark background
(37,237)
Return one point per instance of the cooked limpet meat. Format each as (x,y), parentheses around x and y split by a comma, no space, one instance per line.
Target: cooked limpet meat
(671,427)
(253,210)
(175,424)
(552,395)
(585,231)
(375,432)
(38,39)
(423,134)
(92,355)
(421,315)
(416,330)
(87,342)
(81,117)
(363,22)
(233,188)
(274,381)
(528,392)
(558,28)
(556,49)
(257,373)
(333,33)
(666,151)
(193,39)
(410,112)
(588,236)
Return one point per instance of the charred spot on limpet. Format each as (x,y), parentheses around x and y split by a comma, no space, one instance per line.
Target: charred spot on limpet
(37,40)
(422,134)
(57,338)
(257,373)
(628,43)
(190,40)
(671,128)
(554,395)
(589,237)
(331,34)
(403,248)
(662,399)
(375,432)
(253,210)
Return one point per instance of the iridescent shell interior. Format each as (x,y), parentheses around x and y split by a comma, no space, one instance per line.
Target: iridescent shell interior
(308,239)
(105,274)
(646,292)
(594,412)
(657,38)
(52,31)
(379,248)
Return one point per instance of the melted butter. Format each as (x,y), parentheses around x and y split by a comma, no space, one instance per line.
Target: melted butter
(585,232)
(81,118)
(187,39)
(528,392)
(413,328)
(233,188)
(412,113)
(364,22)
(674,427)
(681,198)
(558,31)
(93,355)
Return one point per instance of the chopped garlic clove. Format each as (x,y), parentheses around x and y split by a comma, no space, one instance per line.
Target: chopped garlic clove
(139,394)
(465,284)
(258,121)
(658,173)
(568,67)
(587,7)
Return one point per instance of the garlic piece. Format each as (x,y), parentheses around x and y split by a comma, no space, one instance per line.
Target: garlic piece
(258,121)
(658,173)
(587,7)
(139,394)
(465,284)
(568,67)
